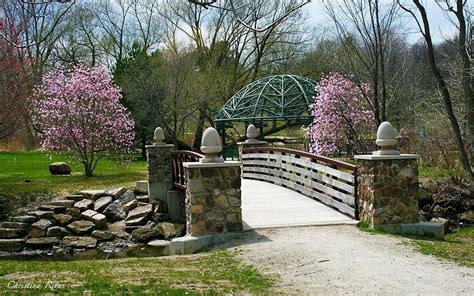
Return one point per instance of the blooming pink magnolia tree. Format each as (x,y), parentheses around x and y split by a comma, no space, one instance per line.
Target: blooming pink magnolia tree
(79,111)
(342,115)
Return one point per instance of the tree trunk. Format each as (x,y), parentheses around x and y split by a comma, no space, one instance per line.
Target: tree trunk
(199,129)
(143,146)
(445,94)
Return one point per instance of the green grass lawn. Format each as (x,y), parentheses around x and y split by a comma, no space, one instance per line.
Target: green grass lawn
(24,176)
(215,273)
(457,246)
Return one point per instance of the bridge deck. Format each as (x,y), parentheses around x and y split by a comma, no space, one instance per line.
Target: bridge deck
(265,205)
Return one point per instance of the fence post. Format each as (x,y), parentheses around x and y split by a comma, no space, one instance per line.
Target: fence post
(213,192)
(159,167)
(387,183)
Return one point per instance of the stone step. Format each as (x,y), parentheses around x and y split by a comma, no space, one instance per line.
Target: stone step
(84,204)
(102,203)
(12,245)
(53,208)
(140,211)
(92,194)
(12,233)
(137,221)
(42,214)
(116,192)
(75,197)
(16,225)
(81,227)
(62,202)
(42,242)
(57,231)
(26,219)
(102,235)
(80,241)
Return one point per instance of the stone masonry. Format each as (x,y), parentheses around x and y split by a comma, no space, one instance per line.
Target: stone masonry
(388,191)
(213,198)
(159,171)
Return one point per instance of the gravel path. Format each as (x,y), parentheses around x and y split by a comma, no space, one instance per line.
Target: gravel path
(343,260)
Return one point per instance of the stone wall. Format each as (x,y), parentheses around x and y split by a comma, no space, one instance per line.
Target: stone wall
(159,171)
(213,200)
(388,191)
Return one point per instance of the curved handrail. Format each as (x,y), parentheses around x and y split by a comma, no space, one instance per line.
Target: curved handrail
(312,156)
(179,157)
(188,153)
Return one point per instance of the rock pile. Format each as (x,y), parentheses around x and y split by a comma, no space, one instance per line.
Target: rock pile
(87,219)
(447,202)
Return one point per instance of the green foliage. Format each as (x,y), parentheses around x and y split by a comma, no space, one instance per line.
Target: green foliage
(435,173)
(141,77)
(24,176)
(210,274)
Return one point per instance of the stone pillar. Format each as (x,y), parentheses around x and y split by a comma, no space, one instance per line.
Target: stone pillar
(213,193)
(159,167)
(388,183)
(251,140)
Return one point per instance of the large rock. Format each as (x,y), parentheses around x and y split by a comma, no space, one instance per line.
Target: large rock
(80,241)
(81,227)
(42,224)
(52,208)
(102,203)
(16,225)
(116,192)
(84,204)
(75,213)
(92,194)
(99,220)
(145,233)
(129,195)
(171,230)
(66,203)
(42,242)
(75,197)
(87,215)
(143,198)
(130,205)
(136,221)
(59,168)
(42,214)
(57,231)
(38,229)
(140,212)
(11,245)
(115,212)
(63,219)
(467,217)
(159,243)
(102,235)
(11,233)
(25,219)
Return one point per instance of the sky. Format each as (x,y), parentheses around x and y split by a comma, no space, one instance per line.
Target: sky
(441,27)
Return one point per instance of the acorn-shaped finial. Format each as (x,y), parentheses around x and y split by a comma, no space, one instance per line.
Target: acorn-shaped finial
(251,134)
(386,139)
(159,136)
(211,146)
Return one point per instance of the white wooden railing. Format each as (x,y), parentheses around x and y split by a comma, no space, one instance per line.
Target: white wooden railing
(327,180)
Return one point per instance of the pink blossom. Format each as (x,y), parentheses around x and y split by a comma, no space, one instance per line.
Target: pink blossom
(340,110)
(79,111)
